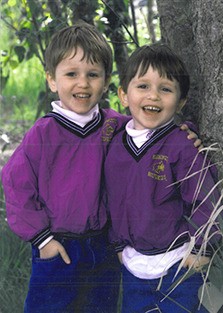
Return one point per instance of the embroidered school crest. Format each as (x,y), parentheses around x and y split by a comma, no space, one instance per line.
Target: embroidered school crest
(158,167)
(108,129)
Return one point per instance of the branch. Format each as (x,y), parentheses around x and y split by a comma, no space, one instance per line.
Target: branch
(38,36)
(134,21)
(8,24)
(111,9)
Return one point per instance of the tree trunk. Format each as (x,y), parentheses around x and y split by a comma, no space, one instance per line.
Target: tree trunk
(116,13)
(151,27)
(83,9)
(193,28)
(208,35)
(176,31)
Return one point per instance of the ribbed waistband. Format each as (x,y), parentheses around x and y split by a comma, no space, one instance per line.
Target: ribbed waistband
(88,234)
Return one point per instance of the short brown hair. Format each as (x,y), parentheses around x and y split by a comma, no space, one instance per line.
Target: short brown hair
(83,35)
(161,58)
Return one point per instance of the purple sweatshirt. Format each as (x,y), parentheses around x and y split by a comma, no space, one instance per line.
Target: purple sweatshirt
(52,181)
(147,212)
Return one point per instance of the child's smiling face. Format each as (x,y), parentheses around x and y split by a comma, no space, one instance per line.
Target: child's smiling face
(153,100)
(79,83)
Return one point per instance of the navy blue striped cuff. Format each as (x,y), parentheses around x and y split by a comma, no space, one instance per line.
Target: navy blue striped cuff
(208,252)
(41,237)
(120,248)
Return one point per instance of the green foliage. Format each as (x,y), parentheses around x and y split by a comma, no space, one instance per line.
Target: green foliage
(29,24)
(19,99)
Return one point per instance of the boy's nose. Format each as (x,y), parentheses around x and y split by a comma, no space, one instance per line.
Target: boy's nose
(153,94)
(83,81)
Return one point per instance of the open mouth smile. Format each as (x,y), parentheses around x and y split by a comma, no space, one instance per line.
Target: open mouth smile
(151,109)
(81,96)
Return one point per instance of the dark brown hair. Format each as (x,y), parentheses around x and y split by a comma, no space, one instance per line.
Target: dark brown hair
(162,59)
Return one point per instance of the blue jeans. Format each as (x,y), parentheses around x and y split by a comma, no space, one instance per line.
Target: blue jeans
(89,284)
(141,295)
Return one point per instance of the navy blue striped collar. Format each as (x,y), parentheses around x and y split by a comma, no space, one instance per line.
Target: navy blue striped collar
(138,153)
(76,129)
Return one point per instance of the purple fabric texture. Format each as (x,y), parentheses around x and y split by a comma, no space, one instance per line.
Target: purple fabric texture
(147,211)
(52,181)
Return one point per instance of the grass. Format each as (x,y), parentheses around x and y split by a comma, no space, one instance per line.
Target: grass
(15,267)
(14,272)
(210,293)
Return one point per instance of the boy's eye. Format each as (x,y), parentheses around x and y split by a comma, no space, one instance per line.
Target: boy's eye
(143,86)
(93,74)
(71,74)
(166,89)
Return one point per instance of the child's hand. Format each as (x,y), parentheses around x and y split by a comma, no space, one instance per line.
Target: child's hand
(120,257)
(53,248)
(192,135)
(196,262)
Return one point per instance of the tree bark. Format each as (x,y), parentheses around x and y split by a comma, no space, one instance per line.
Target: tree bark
(151,27)
(177,32)
(207,17)
(194,29)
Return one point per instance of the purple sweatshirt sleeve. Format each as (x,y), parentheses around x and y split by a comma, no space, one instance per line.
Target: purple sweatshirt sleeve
(20,183)
(192,126)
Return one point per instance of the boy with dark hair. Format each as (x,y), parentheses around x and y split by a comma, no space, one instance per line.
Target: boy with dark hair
(153,208)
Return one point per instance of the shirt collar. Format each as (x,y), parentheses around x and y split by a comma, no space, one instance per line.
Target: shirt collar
(79,119)
(140,136)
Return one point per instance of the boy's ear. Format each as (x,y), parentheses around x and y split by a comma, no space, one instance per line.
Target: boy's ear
(51,82)
(123,97)
(181,104)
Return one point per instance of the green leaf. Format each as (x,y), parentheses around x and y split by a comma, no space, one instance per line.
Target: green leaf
(23,33)
(20,52)
(13,64)
(11,3)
